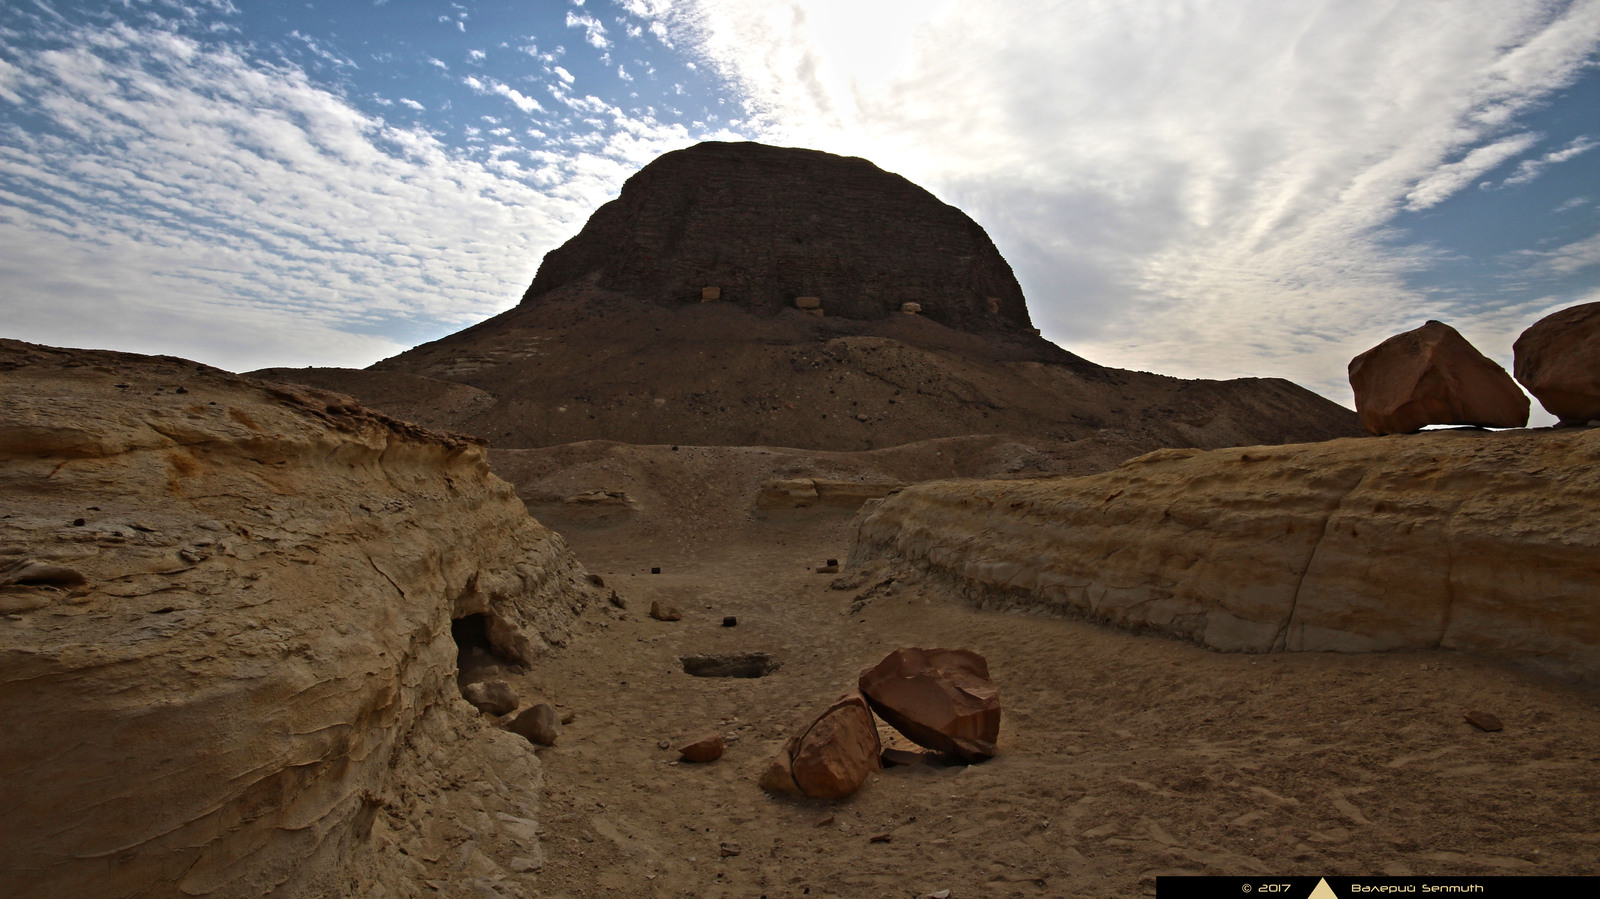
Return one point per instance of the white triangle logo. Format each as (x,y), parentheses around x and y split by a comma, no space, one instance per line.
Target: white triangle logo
(1323,891)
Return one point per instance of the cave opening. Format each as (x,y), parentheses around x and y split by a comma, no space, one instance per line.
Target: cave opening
(476,657)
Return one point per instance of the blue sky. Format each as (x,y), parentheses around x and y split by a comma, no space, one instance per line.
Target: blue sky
(1214,188)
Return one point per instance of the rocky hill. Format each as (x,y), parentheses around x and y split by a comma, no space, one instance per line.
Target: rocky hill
(227,651)
(618,337)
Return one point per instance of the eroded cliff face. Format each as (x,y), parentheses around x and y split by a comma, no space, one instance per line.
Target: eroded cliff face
(1476,541)
(226,655)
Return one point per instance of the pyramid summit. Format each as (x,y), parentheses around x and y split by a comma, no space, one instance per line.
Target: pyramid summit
(768,225)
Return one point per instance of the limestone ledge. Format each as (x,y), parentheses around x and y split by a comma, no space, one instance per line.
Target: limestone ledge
(1466,540)
(227,609)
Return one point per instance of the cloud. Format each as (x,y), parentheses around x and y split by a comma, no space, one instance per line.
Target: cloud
(594,32)
(490,86)
(1529,169)
(1569,259)
(407,101)
(1444,181)
(1198,188)
(182,197)
(565,76)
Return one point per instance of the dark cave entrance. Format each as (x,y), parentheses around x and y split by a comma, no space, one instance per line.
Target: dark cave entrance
(476,657)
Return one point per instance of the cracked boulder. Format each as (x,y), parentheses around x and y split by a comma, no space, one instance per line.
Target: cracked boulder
(831,756)
(938,698)
(1465,540)
(227,658)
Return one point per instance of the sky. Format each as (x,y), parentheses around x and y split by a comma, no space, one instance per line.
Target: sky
(1202,188)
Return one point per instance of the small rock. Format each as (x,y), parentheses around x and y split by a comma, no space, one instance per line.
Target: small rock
(942,894)
(892,757)
(730,621)
(567,716)
(493,697)
(663,744)
(524,865)
(656,570)
(704,748)
(540,725)
(1483,721)
(833,561)
(728,850)
(664,612)
(880,838)
(828,569)
(617,600)
(823,821)
(597,580)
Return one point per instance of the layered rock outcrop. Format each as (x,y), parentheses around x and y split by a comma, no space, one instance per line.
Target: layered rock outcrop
(1456,540)
(1558,360)
(1432,376)
(227,641)
(766,226)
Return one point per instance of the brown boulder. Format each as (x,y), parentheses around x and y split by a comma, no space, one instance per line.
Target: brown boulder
(660,611)
(540,724)
(830,757)
(1558,360)
(939,698)
(1433,376)
(493,697)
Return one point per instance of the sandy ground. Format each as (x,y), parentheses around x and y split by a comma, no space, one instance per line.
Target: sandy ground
(1123,757)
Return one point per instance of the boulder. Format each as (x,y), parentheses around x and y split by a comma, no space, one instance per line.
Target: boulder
(493,697)
(242,647)
(660,611)
(540,724)
(1558,360)
(1433,376)
(831,756)
(707,747)
(938,698)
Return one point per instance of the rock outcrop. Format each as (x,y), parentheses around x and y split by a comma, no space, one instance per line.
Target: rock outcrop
(1558,360)
(938,698)
(227,657)
(1465,540)
(774,227)
(829,758)
(1433,376)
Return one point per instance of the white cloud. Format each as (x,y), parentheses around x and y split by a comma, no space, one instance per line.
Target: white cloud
(235,212)
(1529,169)
(593,31)
(477,55)
(564,75)
(407,101)
(1196,188)
(1569,259)
(1444,181)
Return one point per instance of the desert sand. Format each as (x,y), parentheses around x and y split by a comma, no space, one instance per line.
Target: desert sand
(1122,757)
